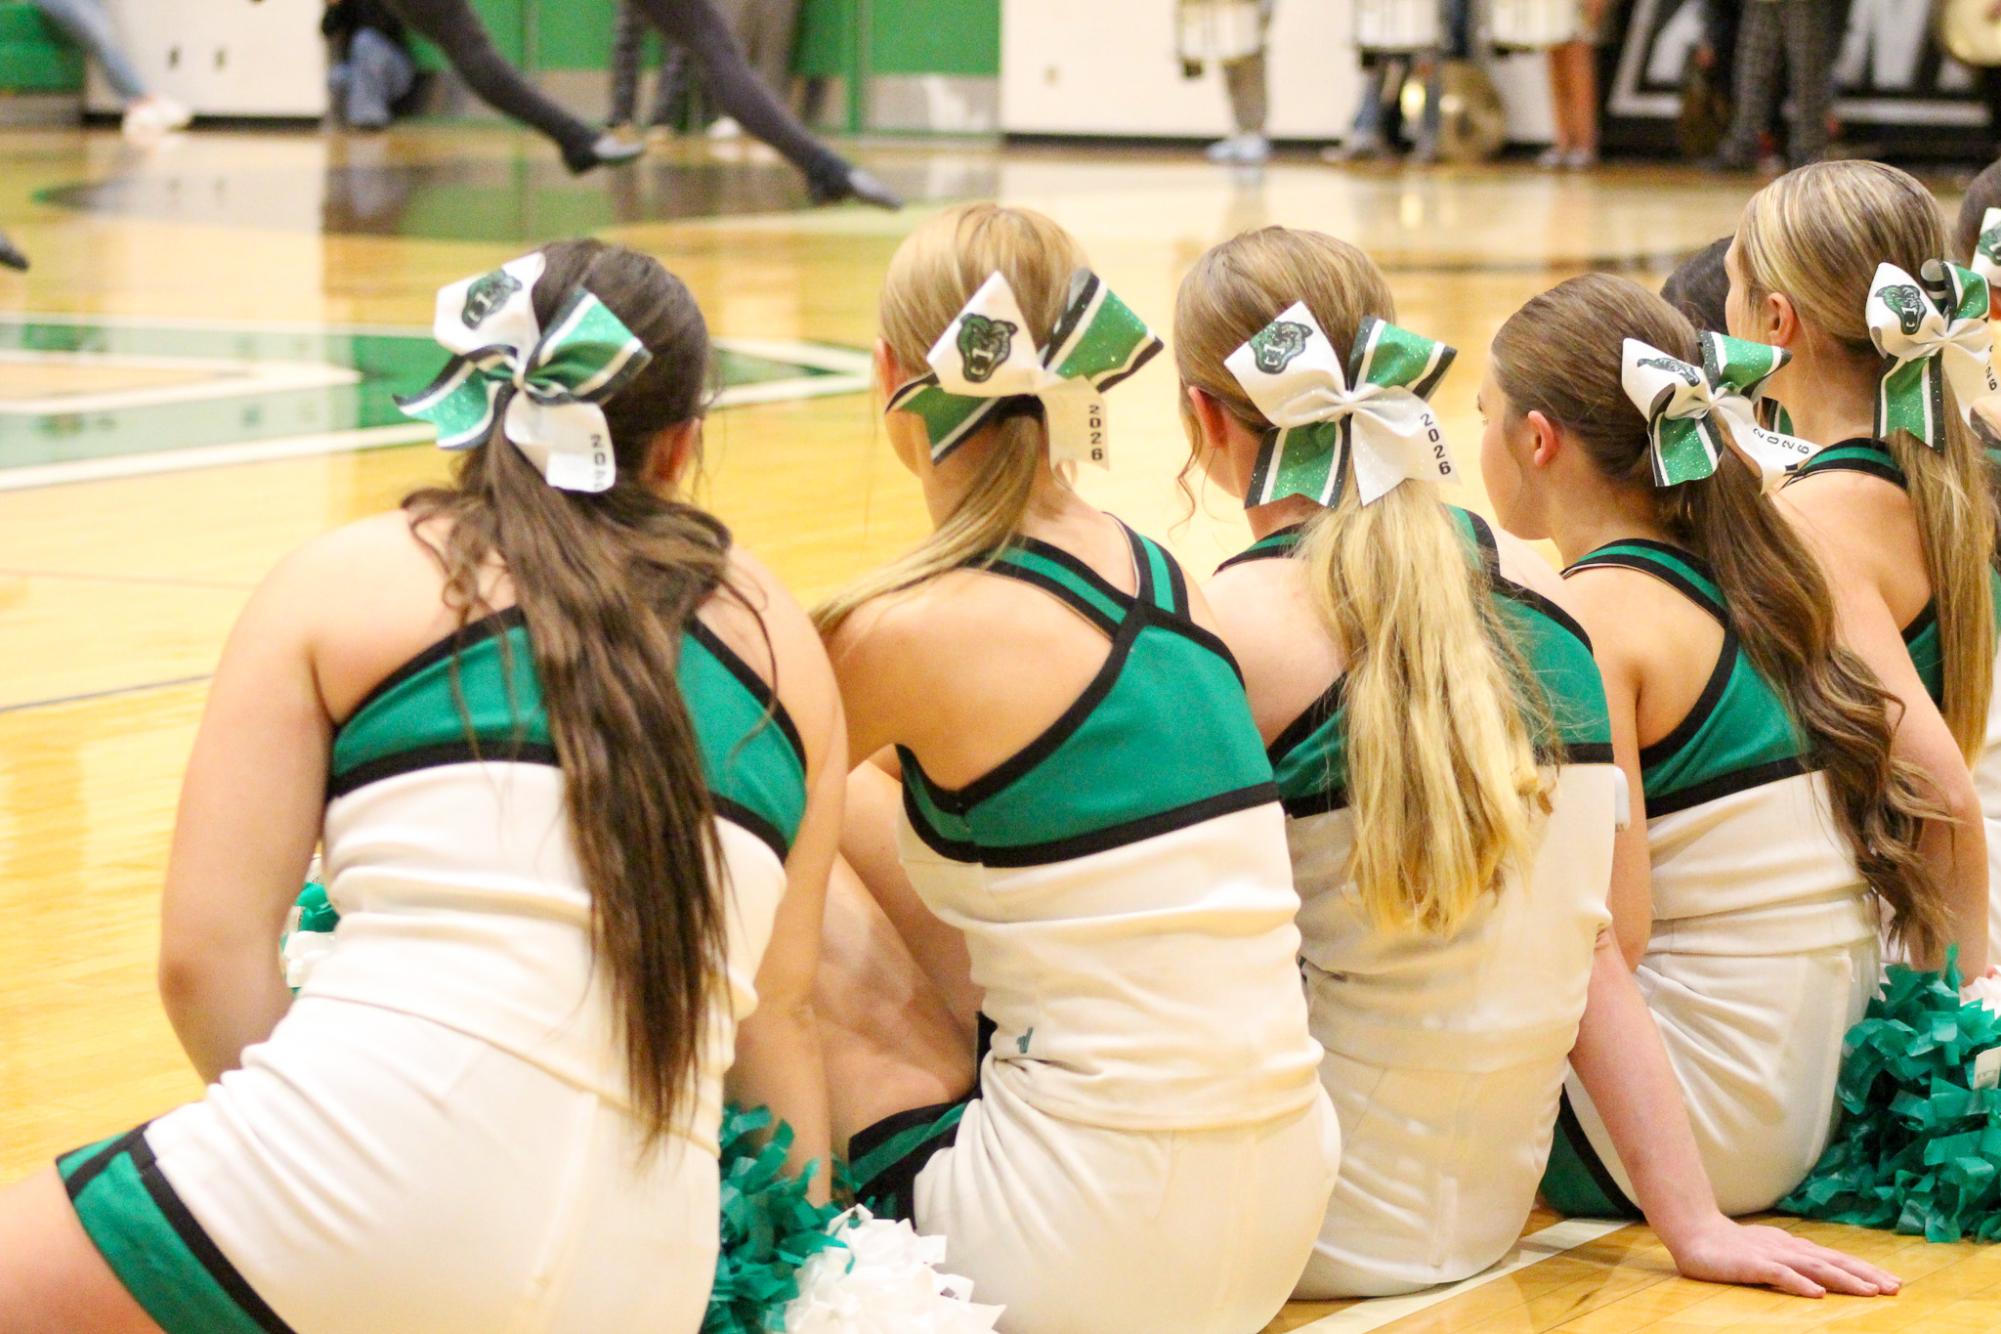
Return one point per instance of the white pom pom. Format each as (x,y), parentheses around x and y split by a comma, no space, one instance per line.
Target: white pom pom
(887,1281)
(300,950)
(1985,990)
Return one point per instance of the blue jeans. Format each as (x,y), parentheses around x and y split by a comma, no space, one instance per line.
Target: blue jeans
(375,75)
(86,24)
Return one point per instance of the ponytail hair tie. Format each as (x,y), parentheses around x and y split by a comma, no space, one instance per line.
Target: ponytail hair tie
(550,382)
(1688,407)
(1373,410)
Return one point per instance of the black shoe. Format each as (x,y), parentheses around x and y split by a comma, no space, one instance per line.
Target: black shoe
(607,150)
(11,256)
(853,183)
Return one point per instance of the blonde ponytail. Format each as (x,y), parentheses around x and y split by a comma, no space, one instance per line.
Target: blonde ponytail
(1441,709)
(932,275)
(1817,234)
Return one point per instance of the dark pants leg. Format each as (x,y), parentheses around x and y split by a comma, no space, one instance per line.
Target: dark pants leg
(627,54)
(457,31)
(1810,70)
(737,90)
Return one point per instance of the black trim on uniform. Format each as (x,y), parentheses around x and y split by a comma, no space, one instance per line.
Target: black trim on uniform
(750,822)
(1705,705)
(490,626)
(1177,584)
(1924,621)
(760,690)
(460,751)
(1586,752)
(895,1187)
(1310,720)
(1202,637)
(78,1181)
(1568,1126)
(1672,578)
(1490,549)
(1741,781)
(1143,594)
(960,800)
(197,1241)
(1062,592)
(1072,564)
(1259,551)
(1823,462)
(1316,803)
(1099,840)
(1528,597)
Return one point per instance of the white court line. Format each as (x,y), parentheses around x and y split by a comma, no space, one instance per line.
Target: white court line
(1532,1249)
(351,442)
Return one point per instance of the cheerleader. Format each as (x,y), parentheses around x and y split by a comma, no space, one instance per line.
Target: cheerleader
(1767,807)
(1568,30)
(1841,264)
(1444,753)
(1087,811)
(574,836)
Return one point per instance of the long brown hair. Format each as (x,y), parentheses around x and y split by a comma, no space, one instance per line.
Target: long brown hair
(1817,235)
(931,277)
(1441,710)
(607,583)
(1775,598)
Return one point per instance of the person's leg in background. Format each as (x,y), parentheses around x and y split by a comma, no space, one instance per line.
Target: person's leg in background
(379,73)
(1755,91)
(86,24)
(696,25)
(1810,68)
(772,26)
(1249,110)
(627,53)
(456,30)
(1560,102)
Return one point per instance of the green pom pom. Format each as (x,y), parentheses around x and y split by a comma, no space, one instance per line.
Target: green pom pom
(769,1227)
(316,911)
(1918,1146)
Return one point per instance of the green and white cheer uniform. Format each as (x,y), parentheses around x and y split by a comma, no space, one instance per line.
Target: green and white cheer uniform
(438,1135)
(1445,1056)
(1147,1146)
(1921,637)
(1763,950)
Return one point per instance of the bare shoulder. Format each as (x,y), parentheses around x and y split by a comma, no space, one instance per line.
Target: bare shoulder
(1830,509)
(1257,606)
(1623,610)
(764,625)
(1524,564)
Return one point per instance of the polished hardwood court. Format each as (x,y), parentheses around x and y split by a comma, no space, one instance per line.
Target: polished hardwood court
(195,377)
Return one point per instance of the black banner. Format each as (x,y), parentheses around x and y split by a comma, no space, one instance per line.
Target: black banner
(1896,92)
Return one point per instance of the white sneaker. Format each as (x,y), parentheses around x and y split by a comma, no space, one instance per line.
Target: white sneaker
(1580,159)
(1242,150)
(153,116)
(1553,158)
(726,128)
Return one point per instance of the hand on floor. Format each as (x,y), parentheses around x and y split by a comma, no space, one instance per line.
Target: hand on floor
(1723,1251)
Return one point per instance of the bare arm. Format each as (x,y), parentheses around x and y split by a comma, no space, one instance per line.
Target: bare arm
(779,1063)
(1621,1062)
(251,805)
(1632,894)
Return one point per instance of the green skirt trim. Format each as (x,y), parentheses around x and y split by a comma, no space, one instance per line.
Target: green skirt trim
(155,1246)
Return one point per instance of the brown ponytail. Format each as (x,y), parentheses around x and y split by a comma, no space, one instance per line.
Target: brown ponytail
(607,583)
(1776,598)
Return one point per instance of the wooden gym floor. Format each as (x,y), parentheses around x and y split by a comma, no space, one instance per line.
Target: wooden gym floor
(195,377)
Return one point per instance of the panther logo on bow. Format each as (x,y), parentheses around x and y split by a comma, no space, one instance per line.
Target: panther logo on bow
(983,345)
(1277,346)
(1907,303)
(1990,244)
(1686,372)
(486,295)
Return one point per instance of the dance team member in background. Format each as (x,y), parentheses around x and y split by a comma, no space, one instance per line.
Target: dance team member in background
(147,114)
(1767,806)
(574,838)
(1569,31)
(1231,34)
(1452,808)
(1087,807)
(1842,265)
(457,31)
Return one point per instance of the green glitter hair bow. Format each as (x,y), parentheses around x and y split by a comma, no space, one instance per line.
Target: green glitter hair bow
(543,385)
(1933,328)
(1687,408)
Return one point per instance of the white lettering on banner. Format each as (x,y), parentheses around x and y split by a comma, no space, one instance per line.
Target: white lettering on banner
(1677,39)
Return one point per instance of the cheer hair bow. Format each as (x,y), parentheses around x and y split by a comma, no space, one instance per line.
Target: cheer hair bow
(986,356)
(543,385)
(1986,258)
(1686,406)
(1934,330)
(1373,411)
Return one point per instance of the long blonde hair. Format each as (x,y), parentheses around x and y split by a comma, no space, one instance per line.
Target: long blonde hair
(1440,707)
(1775,598)
(1817,235)
(931,277)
